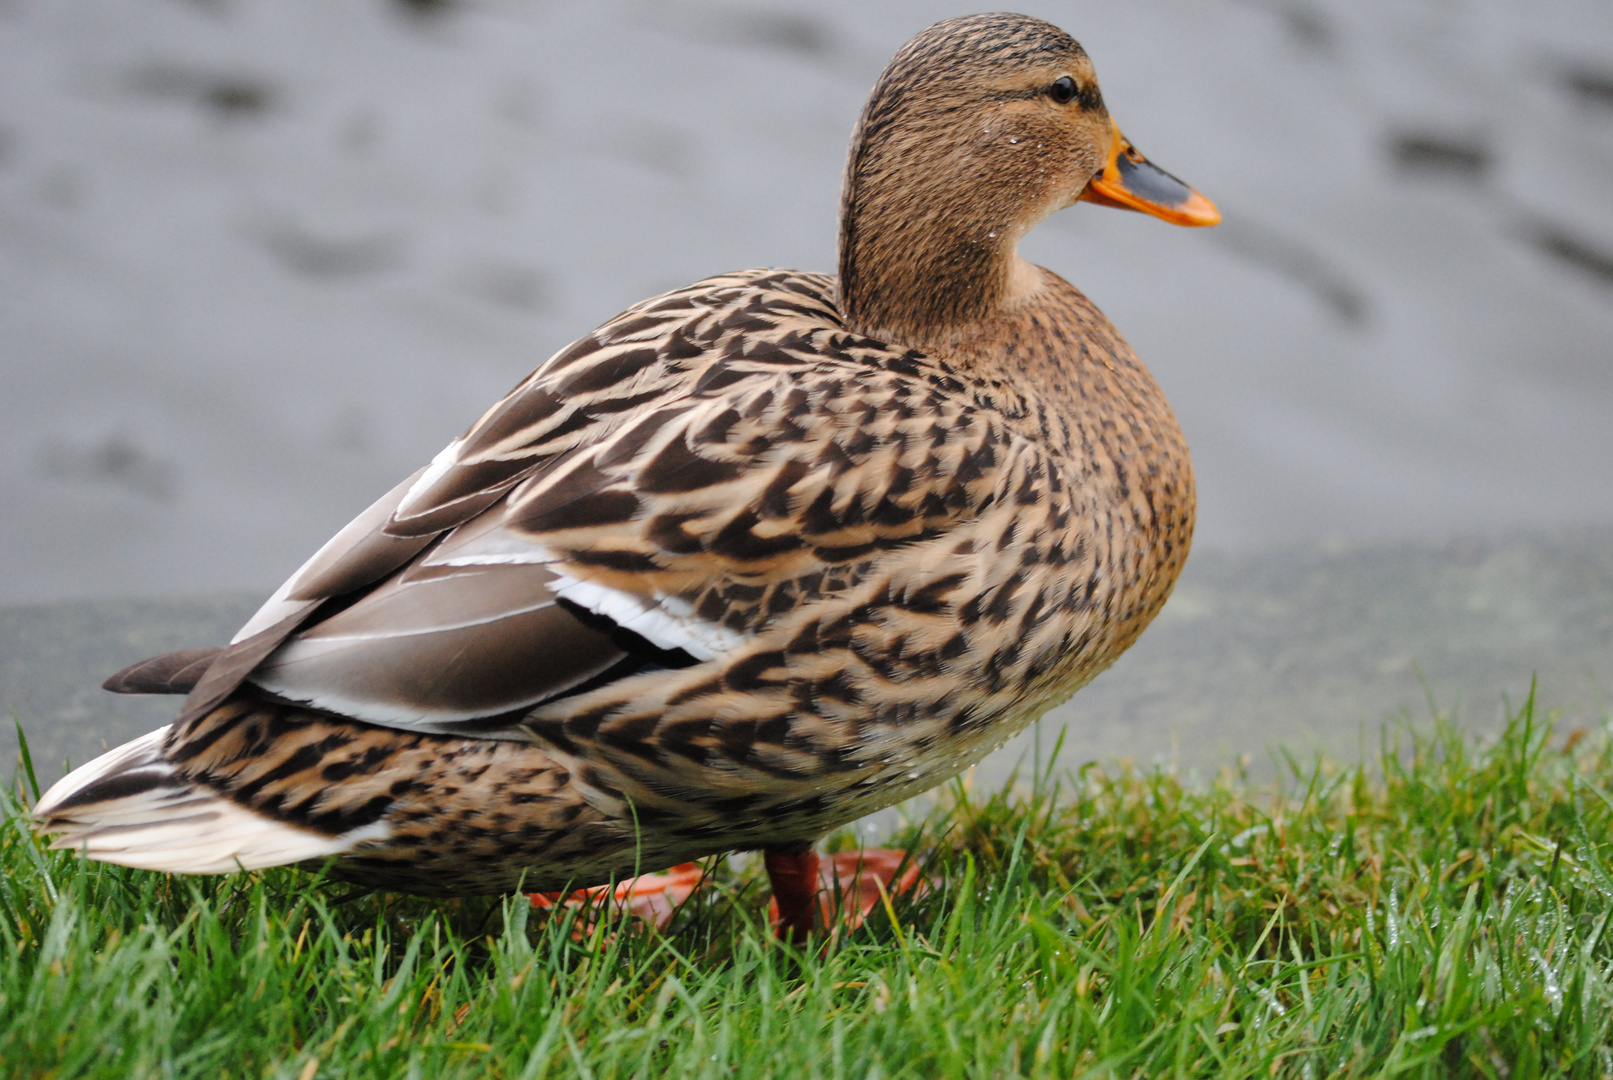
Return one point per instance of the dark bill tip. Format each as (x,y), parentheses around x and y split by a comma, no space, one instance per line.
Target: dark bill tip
(1132,182)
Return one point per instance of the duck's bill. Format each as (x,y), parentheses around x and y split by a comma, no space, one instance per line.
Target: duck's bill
(1132,182)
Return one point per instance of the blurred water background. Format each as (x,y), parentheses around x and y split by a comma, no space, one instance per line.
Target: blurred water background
(259,259)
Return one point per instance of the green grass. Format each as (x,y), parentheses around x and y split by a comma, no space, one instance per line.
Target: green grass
(1443,913)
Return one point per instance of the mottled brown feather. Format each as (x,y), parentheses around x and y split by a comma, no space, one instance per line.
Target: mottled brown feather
(1039,547)
(926,501)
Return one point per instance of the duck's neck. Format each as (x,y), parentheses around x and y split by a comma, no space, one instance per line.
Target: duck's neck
(927,266)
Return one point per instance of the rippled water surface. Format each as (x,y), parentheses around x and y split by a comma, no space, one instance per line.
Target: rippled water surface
(261,258)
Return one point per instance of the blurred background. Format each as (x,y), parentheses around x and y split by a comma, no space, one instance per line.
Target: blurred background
(259,259)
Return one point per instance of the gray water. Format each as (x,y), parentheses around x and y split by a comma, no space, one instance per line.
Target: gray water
(261,258)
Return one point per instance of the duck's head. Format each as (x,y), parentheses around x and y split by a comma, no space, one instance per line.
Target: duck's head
(978,129)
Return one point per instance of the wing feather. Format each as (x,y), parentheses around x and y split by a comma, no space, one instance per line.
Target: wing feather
(171,673)
(687,473)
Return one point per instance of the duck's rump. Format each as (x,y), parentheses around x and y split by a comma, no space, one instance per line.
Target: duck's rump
(255,784)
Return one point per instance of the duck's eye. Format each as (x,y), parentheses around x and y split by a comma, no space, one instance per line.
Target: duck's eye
(1063,90)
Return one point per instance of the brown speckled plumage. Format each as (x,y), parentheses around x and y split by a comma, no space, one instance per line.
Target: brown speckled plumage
(751,560)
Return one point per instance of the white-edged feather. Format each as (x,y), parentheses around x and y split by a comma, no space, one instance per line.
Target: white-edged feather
(445,460)
(280,605)
(175,826)
(420,718)
(667,622)
(274,609)
(299,670)
(144,752)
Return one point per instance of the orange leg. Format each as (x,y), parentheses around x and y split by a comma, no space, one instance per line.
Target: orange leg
(794,876)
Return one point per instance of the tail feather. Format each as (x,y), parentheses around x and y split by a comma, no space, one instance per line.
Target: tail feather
(132,807)
(170,673)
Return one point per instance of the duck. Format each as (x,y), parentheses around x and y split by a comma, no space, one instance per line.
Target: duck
(753,559)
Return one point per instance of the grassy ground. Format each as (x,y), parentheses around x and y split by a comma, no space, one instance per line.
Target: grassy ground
(1447,919)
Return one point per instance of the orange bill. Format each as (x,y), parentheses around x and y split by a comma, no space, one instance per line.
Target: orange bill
(1132,182)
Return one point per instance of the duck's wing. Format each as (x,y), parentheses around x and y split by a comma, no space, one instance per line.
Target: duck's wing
(654,496)
(361,554)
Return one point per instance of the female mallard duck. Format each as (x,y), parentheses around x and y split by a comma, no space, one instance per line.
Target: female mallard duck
(751,560)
